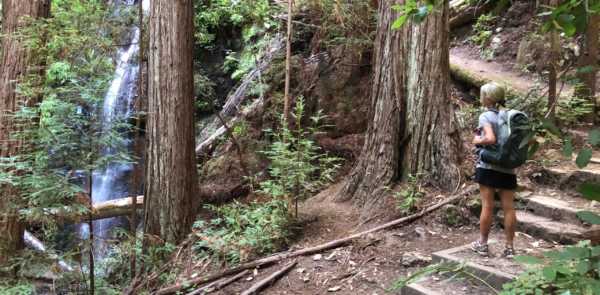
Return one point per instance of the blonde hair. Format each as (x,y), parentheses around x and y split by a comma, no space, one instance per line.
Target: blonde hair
(492,93)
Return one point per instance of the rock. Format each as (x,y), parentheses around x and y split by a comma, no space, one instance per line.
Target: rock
(420,232)
(317,257)
(410,259)
(334,289)
(496,43)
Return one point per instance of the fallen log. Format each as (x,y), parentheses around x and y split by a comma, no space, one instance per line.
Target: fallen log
(461,12)
(218,285)
(312,250)
(235,99)
(205,146)
(476,73)
(274,276)
(108,209)
(34,243)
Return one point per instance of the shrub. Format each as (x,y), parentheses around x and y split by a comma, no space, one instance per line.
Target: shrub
(407,199)
(298,165)
(240,231)
(573,270)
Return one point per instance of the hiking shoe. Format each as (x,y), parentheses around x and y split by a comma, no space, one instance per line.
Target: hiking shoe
(508,252)
(480,248)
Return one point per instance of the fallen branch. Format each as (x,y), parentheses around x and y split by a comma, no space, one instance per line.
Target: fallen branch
(312,250)
(34,243)
(218,285)
(274,276)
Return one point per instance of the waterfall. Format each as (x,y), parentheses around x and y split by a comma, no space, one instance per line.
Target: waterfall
(113,181)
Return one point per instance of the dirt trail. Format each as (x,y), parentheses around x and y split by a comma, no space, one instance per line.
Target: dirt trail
(498,72)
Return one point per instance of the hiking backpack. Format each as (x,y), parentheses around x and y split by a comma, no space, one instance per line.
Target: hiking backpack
(510,150)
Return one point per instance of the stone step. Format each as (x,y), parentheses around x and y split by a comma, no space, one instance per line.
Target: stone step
(494,270)
(548,229)
(557,206)
(439,284)
(567,176)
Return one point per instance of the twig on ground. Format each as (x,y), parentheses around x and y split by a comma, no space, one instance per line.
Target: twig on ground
(274,276)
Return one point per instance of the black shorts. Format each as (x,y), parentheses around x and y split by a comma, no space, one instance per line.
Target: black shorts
(495,179)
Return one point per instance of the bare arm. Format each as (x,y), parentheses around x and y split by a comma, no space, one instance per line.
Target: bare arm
(488,138)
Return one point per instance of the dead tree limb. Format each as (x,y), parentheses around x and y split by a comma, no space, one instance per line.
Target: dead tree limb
(274,276)
(312,250)
(218,285)
(34,243)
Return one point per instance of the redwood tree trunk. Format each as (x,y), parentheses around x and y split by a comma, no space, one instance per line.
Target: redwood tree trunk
(412,117)
(171,177)
(433,142)
(14,65)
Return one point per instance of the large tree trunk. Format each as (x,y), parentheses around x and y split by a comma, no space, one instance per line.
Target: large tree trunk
(15,62)
(171,177)
(433,142)
(412,116)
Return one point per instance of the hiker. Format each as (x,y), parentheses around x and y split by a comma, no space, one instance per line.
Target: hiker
(493,178)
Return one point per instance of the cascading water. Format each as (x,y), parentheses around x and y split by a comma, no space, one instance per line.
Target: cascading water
(113,182)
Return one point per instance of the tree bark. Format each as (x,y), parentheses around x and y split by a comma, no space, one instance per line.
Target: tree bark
(412,118)
(589,58)
(171,176)
(15,62)
(433,145)
(553,65)
(288,57)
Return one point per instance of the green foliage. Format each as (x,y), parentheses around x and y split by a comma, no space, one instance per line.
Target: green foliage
(590,191)
(408,198)
(254,16)
(414,9)
(63,134)
(206,96)
(468,116)
(243,230)
(569,17)
(240,129)
(16,288)
(483,30)
(572,270)
(296,160)
(573,109)
(347,23)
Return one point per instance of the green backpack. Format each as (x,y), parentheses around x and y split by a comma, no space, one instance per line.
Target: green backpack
(510,150)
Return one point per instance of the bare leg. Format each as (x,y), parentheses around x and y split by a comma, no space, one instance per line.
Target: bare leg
(487,210)
(510,218)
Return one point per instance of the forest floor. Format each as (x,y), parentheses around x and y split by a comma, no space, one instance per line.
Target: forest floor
(368,266)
